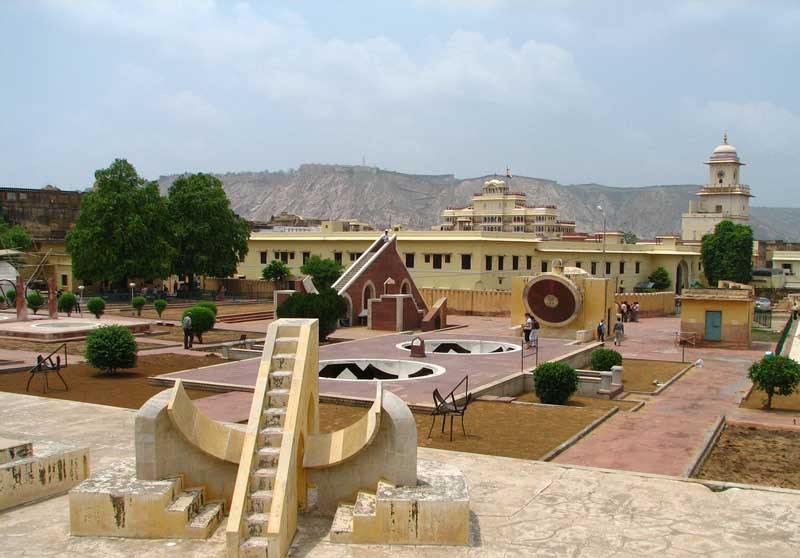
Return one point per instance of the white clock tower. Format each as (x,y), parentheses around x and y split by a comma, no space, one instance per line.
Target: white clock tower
(724,197)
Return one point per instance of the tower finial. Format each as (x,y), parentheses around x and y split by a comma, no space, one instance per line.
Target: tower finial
(508,171)
(725,138)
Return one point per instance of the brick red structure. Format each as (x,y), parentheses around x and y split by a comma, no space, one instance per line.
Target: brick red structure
(436,318)
(369,279)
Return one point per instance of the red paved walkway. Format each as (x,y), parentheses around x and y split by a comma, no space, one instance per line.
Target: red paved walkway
(670,429)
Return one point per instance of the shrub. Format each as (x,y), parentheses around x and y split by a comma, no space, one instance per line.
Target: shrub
(35,301)
(208,304)
(327,307)
(323,272)
(203,320)
(66,303)
(11,296)
(110,348)
(660,279)
(276,271)
(775,375)
(138,303)
(160,305)
(604,359)
(555,382)
(96,306)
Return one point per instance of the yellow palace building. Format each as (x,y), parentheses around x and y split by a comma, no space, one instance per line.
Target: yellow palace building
(483,260)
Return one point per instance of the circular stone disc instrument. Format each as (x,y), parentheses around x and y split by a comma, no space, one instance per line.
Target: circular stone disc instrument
(552,299)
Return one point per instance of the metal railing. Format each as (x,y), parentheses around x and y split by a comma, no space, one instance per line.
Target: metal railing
(762,317)
(784,336)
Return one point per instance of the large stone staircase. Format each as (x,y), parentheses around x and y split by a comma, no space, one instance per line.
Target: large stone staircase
(114,502)
(265,500)
(246,317)
(353,271)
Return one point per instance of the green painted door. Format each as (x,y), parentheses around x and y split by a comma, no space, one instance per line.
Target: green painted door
(713,325)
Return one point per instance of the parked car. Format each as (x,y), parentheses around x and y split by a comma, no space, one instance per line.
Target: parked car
(763,303)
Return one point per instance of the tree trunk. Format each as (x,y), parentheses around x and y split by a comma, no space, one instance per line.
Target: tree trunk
(769,400)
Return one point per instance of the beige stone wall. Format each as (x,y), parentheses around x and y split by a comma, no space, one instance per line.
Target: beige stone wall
(468,302)
(651,304)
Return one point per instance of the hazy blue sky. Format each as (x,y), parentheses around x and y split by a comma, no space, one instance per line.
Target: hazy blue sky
(619,93)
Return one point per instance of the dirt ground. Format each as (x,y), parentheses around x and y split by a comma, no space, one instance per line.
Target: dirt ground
(766,335)
(638,375)
(127,388)
(175,334)
(752,455)
(493,428)
(20,344)
(586,402)
(175,312)
(757,399)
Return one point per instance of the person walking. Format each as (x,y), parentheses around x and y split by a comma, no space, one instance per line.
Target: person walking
(385,236)
(601,331)
(619,332)
(623,310)
(527,329)
(188,334)
(535,333)
(795,310)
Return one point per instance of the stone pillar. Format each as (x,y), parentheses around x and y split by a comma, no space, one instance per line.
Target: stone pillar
(616,376)
(22,308)
(605,382)
(52,301)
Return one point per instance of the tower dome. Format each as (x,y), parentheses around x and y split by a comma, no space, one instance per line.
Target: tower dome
(724,153)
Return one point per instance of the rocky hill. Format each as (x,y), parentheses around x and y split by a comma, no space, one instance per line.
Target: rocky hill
(382,197)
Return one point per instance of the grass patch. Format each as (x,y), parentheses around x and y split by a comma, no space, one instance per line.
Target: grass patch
(757,399)
(759,334)
(750,455)
(586,402)
(639,374)
(493,428)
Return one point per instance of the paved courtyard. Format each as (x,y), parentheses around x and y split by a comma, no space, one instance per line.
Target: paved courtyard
(520,508)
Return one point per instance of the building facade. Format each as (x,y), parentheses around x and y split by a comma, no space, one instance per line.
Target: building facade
(724,197)
(486,260)
(496,209)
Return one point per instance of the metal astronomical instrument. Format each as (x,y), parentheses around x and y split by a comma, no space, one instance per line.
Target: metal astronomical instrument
(552,299)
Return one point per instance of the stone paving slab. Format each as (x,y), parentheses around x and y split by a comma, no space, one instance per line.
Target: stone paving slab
(519,508)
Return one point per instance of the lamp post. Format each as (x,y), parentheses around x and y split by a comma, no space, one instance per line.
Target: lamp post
(132,286)
(80,290)
(605,286)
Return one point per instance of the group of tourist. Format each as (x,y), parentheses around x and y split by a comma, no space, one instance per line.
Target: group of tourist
(626,312)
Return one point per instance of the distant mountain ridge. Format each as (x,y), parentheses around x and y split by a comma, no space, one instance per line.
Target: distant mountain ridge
(416,201)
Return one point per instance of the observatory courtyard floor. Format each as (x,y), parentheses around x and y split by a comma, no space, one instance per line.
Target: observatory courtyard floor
(519,508)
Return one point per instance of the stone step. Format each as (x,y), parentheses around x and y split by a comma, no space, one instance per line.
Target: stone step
(284,345)
(274,417)
(268,457)
(280,379)
(261,501)
(271,436)
(188,502)
(342,526)
(13,450)
(282,361)
(254,547)
(263,478)
(257,524)
(277,398)
(366,503)
(208,516)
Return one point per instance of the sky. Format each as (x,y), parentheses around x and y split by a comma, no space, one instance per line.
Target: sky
(622,93)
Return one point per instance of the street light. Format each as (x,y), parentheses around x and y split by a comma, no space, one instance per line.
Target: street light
(605,287)
(132,286)
(80,289)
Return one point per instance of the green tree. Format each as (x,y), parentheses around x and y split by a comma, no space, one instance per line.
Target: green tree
(96,306)
(660,279)
(323,272)
(727,253)
(555,382)
(138,303)
(277,272)
(605,359)
(203,320)
(209,238)
(775,375)
(67,303)
(14,237)
(629,238)
(160,305)
(122,230)
(35,301)
(110,348)
(327,307)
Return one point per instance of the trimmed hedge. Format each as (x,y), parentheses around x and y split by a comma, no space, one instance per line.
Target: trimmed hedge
(203,320)
(35,301)
(555,382)
(110,348)
(138,303)
(160,305)
(67,303)
(327,307)
(208,304)
(603,359)
(96,306)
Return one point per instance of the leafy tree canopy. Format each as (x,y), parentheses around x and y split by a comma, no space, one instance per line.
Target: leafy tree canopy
(660,279)
(210,239)
(629,238)
(122,230)
(775,375)
(324,272)
(327,306)
(727,253)
(14,237)
(276,271)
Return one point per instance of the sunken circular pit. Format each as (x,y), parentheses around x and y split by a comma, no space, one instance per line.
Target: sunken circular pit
(463,347)
(377,369)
